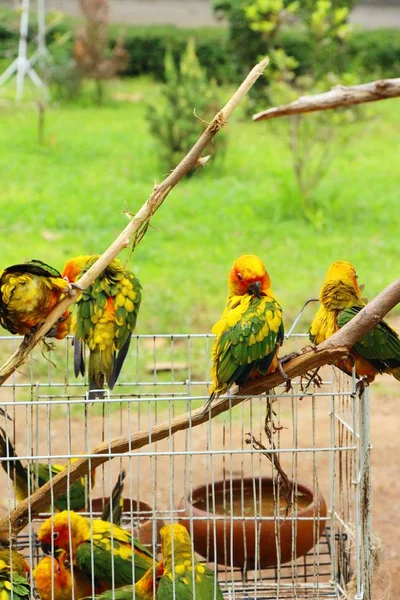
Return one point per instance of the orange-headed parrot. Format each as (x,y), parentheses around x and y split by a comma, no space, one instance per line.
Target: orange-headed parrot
(13,582)
(250,330)
(378,351)
(38,476)
(54,580)
(105,319)
(117,557)
(28,293)
(184,576)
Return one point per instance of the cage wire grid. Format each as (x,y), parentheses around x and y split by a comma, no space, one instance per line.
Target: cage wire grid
(321,438)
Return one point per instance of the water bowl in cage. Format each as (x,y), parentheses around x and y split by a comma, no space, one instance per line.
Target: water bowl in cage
(238,522)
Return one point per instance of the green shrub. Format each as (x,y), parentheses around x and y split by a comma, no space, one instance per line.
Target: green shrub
(147,47)
(172,121)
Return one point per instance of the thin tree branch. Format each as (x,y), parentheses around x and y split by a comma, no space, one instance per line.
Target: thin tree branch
(329,351)
(139,223)
(337,97)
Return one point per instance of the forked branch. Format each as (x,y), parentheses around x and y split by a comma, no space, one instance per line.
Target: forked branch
(139,223)
(337,97)
(328,352)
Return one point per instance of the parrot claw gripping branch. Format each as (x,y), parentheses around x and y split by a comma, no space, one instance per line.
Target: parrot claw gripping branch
(111,494)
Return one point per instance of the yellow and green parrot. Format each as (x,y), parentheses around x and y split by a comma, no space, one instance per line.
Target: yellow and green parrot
(53,574)
(38,476)
(118,558)
(105,319)
(184,577)
(13,571)
(54,581)
(28,293)
(250,331)
(145,589)
(378,351)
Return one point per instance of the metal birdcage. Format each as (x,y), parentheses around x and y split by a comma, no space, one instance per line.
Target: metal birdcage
(320,436)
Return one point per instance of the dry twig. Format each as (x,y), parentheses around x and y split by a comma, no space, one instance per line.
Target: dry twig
(139,224)
(337,97)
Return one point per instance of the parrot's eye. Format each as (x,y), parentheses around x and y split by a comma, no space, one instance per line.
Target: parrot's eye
(55,535)
(240,276)
(58,568)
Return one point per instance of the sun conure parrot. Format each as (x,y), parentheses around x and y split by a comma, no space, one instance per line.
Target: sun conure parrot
(378,351)
(39,475)
(13,582)
(54,572)
(28,293)
(145,589)
(184,576)
(54,581)
(111,544)
(250,330)
(105,319)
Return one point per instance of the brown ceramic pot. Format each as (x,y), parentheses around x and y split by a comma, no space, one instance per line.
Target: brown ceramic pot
(243,534)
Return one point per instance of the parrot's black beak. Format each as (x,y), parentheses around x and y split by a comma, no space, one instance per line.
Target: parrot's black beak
(255,289)
(46,548)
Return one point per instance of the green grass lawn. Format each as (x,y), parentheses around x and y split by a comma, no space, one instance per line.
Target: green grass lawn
(67,196)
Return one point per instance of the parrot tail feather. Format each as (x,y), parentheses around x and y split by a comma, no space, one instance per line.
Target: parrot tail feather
(17,470)
(208,404)
(118,362)
(116,501)
(79,361)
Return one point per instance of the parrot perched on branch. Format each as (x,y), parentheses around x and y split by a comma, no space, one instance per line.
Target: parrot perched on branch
(13,571)
(250,330)
(39,475)
(118,559)
(145,589)
(54,581)
(184,576)
(28,293)
(105,319)
(378,351)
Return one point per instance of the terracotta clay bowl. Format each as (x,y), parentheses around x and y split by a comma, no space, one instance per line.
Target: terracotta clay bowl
(240,541)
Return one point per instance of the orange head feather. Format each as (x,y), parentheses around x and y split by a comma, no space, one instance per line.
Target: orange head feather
(248,275)
(340,287)
(56,531)
(146,585)
(50,572)
(73,266)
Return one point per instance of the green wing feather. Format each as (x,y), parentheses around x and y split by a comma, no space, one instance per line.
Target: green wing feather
(122,556)
(204,586)
(76,490)
(35,267)
(251,343)
(380,346)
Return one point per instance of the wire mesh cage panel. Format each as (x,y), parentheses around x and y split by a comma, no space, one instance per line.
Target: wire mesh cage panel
(272,491)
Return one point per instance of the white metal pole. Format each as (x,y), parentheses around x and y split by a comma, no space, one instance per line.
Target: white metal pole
(22,64)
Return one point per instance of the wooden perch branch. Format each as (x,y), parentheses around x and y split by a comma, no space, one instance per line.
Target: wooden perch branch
(329,351)
(139,223)
(337,97)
